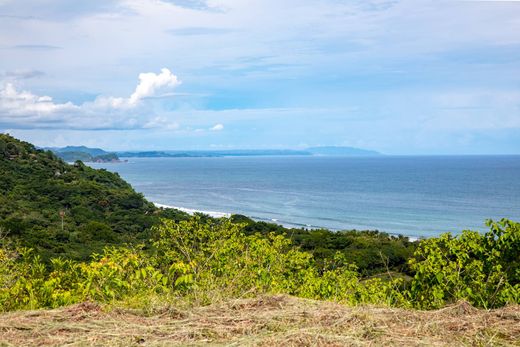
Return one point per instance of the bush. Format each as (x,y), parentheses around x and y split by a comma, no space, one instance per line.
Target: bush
(482,269)
(202,260)
(209,260)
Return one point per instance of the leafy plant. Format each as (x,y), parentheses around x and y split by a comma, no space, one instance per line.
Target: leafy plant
(482,269)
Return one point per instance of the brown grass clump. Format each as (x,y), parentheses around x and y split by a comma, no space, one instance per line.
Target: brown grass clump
(264,321)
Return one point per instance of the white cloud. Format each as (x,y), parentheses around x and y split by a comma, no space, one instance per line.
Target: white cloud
(162,123)
(217,127)
(20,108)
(406,63)
(149,83)
(26,104)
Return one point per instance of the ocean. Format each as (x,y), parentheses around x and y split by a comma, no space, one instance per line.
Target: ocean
(416,196)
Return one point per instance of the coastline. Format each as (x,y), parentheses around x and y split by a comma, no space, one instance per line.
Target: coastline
(216,214)
(191,211)
(337,194)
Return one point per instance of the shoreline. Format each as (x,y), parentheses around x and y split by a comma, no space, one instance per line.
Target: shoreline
(216,214)
(191,211)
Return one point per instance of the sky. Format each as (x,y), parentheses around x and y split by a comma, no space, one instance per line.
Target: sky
(399,77)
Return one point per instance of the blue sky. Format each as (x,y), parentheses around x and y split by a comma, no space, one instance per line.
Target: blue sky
(401,77)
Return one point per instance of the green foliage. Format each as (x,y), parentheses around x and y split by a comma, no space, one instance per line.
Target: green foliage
(25,283)
(205,260)
(199,260)
(74,156)
(98,207)
(215,259)
(208,259)
(482,269)
(373,252)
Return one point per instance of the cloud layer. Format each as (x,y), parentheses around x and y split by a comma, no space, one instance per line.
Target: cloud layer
(394,75)
(23,109)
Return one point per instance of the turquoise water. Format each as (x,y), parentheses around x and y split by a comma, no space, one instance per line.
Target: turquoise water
(413,196)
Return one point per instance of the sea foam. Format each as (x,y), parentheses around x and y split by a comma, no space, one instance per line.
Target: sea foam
(193,211)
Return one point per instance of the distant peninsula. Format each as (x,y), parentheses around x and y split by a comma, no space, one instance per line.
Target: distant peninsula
(85,154)
(318,151)
(213,153)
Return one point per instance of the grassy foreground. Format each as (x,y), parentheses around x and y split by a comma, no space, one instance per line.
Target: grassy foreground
(263,321)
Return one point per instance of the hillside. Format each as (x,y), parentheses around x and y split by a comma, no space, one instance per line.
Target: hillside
(38,188)
(264,321)
(87,158)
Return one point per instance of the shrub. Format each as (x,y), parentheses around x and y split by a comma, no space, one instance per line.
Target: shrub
(202,260)
(482,269)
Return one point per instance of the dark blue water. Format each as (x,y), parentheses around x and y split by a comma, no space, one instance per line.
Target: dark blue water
(414,196)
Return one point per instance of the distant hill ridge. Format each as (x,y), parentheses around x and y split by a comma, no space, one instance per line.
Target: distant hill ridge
(83,153)
(84,149)
(213,153)
(322,151)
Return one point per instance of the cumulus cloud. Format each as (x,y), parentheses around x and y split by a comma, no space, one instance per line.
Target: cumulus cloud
(24,103)
(217,127)
(149,83)
(20,108)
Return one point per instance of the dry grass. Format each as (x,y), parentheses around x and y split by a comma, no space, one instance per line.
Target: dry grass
(265,321)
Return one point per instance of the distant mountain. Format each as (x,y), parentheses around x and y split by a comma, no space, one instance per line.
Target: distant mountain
(324,151)
(260,152)
(157,154)
(85,154)
(92,151)
(216,153)
(341,151)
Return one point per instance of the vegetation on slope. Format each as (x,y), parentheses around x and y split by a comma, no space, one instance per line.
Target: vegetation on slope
(85,157)
(201,262)
(372,252)
(66,210)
